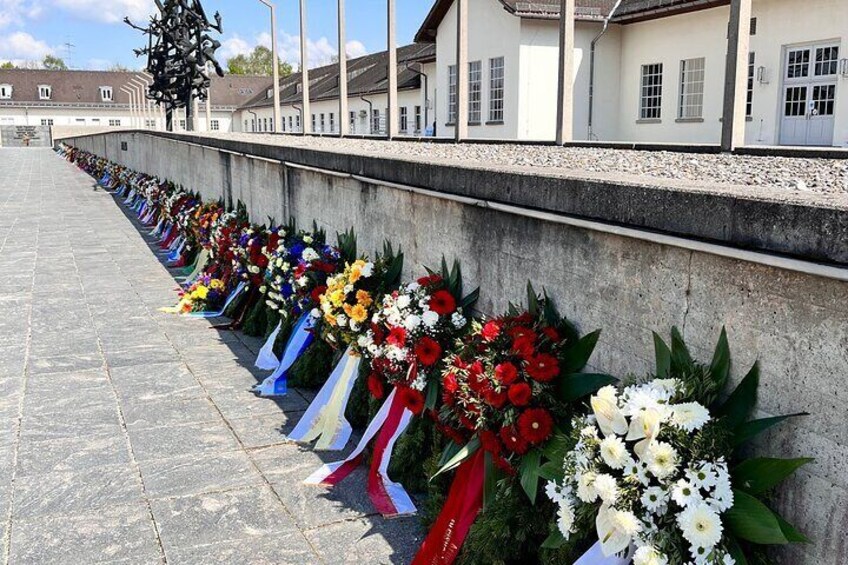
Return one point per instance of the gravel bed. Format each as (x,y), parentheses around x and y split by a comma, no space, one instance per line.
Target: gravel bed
(793,176)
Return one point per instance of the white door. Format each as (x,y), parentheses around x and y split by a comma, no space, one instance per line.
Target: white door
(809,94)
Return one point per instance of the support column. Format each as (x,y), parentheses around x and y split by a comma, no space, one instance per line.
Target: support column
(461,125)
(344,126)
(565,91)
(391,93)
(306,120)
(736,75)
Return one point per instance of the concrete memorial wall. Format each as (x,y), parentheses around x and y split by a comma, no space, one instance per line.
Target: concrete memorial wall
(795,324)
(25,136)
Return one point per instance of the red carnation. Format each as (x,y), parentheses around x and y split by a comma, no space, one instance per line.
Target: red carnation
(428,351)
(397,336)
(520,394)
(495,398)
(535,425)
(449,382)
(491,330)
(316,293)
(543,367)
(523,347)
(430,280)
(379,334)
(516,332)
(506,373)
(375,386)
(412,399)
(525,318)
(513,440)
(552,334)
(442,303)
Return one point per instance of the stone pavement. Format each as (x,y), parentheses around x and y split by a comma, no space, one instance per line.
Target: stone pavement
(128,435)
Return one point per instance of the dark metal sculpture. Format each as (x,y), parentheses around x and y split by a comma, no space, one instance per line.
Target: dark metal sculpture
(179,51)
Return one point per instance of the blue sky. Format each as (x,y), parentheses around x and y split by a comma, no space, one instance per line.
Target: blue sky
(30,29)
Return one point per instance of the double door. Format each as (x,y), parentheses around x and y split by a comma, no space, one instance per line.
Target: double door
(809,95)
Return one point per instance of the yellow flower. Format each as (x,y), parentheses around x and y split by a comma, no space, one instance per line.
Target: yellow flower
(358,313)
(336,298)
(347,308)
(200,293)
(330,319)
(364,298)
(216,284)
(355,274)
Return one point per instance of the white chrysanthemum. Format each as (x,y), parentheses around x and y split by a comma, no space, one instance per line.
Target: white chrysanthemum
(565,518)
(341,320)
(458,320)
(364,341)
(654,499)
(647,555)
(552,490)
(701,526)
(661,459)
(585,489)
(722,496)
(402,301)
(368,270)
(316,313)
(412,322)
(689,416)
(614,452)
(685,493)
(309,254)
(413,286)
(430,318)
(307,239)
(606,487)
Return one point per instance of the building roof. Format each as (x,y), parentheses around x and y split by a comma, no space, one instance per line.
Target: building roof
(366,75)
(82,88)
(587,10)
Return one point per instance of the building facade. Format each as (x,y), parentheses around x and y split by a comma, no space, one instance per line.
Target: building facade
(98,99)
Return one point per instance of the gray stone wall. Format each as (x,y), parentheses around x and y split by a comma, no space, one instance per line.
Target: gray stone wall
(25,136)
(796,325)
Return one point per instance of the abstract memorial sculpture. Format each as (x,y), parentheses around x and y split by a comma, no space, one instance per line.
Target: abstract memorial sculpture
(179,52)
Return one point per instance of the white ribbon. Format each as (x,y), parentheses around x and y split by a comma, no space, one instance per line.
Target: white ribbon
(266,359)
(595,556)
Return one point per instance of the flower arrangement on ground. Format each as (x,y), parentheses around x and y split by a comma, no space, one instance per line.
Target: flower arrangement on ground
(204,294)
(655,467)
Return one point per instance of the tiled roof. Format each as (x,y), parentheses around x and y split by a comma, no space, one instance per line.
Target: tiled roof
(82,88)
(366,75)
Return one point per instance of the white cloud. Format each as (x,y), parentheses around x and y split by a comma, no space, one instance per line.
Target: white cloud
(21,46)
(320,51)
(16,11)
(108,11)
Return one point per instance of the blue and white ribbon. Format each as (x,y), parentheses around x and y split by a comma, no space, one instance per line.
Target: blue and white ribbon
(277,383)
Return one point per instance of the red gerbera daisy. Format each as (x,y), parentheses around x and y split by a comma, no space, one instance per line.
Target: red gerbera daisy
(535,425)
(397,336)
(442,303)
(428,351)
(506,373)
(495,398)
(513,441)
(375,386)
(412,399)
(520,394)
(449,382)
(543,367)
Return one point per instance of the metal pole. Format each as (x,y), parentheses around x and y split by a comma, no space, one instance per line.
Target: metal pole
(276,65)
(461,126)
(306,122)
(392,93)
(735,76)
(565,90)
(344,126)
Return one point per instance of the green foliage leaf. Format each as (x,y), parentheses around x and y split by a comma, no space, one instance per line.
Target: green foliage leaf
(735,551)
(555,540)
(490,480)
(528,473)
(577,385)
(751,520)
(576,356)
(681,360)
(789,531)
(740,403)
(720,366)
(663,356)
(756,476)
(532,300)
(752,428)
(556,447)
(552,471)
(469,300)
(460,456)
(432,394)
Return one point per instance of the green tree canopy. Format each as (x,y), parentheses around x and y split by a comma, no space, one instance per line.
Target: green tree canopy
(257,63)
(54,63)
(7,65)
(114,67)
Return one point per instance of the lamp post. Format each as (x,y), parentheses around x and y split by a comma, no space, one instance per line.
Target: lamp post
(275,63)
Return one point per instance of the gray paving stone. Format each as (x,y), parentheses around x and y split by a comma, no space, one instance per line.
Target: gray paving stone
(65,363)
(275,549)
(197,474)
(77,454)
(169,412)
(262,431)
(368,540)
(175,441)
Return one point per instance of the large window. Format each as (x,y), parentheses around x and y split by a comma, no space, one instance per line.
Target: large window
(418,119)
(749,97)
(475,86)
(650,96)
(827,60)
(404,119)
(496,89)
(691,89)
(452,94)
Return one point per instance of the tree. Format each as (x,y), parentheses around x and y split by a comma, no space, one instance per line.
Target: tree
(54,63)
(7,65)
(257,63)
(117,67)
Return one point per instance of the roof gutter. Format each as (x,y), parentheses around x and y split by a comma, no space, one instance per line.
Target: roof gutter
(592,67)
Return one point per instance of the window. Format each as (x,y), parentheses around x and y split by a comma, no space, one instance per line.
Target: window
(418,119)
(106,93)
(253,125)
(215,125)
(114,123)
(404,119)
(749,100)
(650,101)
(297,122)
(452,94)
(264,124)
(753,28)
(827,59)
(475,80)
(796,101)
(824,96)
(313,122)
(496,89)
(149,123)
(182,124)
(332,122)
(80,120)
(44,92)
(47,121)
(271,124)
(322,123)
(291,121)
(352,121)
(5,91)
(798,63)
(691,89)
(375,121)
(245,125)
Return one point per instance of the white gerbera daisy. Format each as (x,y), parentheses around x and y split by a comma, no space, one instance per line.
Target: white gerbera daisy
(685,493)
(700,525)
(661,459)
(614,452)
(702,476)
(654,499)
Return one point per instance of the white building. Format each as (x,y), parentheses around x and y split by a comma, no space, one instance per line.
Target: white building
(658,70)
(33,97)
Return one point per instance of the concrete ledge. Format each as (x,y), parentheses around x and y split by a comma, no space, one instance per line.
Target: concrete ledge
(810,232)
